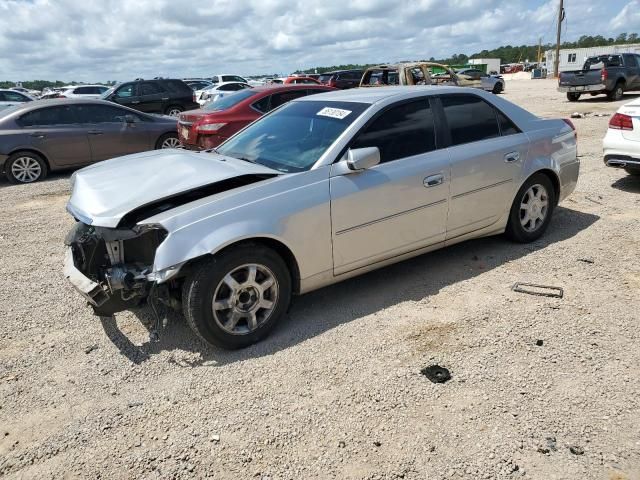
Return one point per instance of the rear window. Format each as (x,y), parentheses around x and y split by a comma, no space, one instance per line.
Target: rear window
(232,78)
(381,77)
(325,77)
(229,101)
(602,61)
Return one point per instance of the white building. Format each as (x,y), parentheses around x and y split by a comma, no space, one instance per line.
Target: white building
(573,58)
(493,64)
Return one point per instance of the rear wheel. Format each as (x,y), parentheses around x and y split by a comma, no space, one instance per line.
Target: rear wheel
(531,209)
(168,140)
(174,110)
(497,88)
(25,167)
(236,298)
(573,97)
(617,92)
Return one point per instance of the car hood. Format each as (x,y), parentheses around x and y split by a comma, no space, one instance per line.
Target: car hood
(103,193)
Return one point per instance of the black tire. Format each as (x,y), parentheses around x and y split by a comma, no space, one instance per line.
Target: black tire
(497,88)
(573,97)
(515,230)
(200,287)
(25,158)
(633,171)
(173,110)
(617,93)
(168,138)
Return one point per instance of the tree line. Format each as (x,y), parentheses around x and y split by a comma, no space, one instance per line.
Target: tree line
(507,53)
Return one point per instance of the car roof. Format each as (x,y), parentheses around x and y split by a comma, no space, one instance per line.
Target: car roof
(374,95)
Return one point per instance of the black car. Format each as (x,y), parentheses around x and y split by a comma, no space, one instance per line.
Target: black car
(341,78)
(164,95)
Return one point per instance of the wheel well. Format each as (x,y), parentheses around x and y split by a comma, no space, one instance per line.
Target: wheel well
(551,175)
(279,247)
(30,150)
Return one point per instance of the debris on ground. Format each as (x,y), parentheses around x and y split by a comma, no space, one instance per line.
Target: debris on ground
(90,348)
(540,290)
(576,450)
(539,343)
(585,260)
(436,373)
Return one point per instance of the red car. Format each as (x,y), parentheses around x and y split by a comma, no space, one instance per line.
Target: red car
(217,121)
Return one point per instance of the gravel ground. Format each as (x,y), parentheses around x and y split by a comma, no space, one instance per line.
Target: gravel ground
(337,392)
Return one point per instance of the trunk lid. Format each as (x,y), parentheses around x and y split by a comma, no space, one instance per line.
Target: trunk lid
(104,193)
(580,78)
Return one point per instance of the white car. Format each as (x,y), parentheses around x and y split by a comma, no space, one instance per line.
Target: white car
(219,90)
(621,144)
(83,91)
(225,77)
(9,98)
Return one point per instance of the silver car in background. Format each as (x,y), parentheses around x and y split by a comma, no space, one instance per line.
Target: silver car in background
(322,189)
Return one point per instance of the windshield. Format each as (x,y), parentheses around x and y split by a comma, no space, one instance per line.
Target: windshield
(295,136)
(229,100)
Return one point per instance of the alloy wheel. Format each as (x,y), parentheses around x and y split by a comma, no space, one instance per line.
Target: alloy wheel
(26,169)
(245,299)
(174,112)
(534,207)
(170,142)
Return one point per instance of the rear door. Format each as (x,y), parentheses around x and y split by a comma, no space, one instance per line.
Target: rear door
(399,205)
(127,95)
(632,70)
(56,132)
(487,154)
(152,97)
(108,132)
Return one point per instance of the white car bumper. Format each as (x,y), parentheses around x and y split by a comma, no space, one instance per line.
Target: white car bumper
(620,152)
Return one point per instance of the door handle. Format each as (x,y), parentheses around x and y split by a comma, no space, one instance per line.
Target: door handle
(95,132)
(38,135)
(511,157)
(135,101)
(166,98)
(433,180)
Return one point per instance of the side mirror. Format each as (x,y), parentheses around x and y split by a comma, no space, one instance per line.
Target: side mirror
(129,119)
(363,158)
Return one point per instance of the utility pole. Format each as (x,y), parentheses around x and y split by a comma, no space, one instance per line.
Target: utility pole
(539,57)
(556,60)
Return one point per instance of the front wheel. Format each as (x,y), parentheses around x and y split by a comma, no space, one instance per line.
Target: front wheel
(235,299)
(25,167)
(573,97)
(531,209)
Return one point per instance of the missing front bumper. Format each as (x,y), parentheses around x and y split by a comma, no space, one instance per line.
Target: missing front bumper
(89,289)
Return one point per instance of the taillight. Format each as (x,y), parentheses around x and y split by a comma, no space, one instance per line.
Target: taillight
(604,75)
(573,127)
(621,121)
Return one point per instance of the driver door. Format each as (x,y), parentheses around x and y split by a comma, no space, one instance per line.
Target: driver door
(399,205)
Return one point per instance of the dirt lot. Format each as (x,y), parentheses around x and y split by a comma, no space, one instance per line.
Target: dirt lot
(337,392)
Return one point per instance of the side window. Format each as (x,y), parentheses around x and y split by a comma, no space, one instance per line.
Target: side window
(62,115)
(178,86)
(232,87)
(14,97)
(278,99)
(126,91)
(150,88)
(83,90)
(630,61)
(507,127)
(99,114)
(262,105)
(418,75)
(470,119)
(400,132)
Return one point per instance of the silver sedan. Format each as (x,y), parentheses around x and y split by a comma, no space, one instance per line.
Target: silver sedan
(321,189)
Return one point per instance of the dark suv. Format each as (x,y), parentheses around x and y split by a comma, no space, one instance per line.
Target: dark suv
(163,95)
(341,78)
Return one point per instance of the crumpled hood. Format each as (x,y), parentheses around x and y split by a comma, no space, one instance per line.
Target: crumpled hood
(106,191)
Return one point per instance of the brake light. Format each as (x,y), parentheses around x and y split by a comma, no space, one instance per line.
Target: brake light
(604,75)
(573,127)
(621,121)
(210,127)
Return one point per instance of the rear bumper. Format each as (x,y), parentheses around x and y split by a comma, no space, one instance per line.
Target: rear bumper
(622,161)
(620,152)
(600,87)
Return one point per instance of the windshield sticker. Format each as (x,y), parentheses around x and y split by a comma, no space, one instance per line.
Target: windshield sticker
(334,113)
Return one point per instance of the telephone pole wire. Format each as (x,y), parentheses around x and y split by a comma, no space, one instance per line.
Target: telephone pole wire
(556,60)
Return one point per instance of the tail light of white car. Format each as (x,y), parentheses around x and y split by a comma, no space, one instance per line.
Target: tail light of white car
(620,121)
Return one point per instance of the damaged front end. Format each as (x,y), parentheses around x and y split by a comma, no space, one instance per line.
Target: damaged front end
(113,267)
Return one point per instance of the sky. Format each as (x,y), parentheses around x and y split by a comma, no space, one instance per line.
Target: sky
(85,40)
